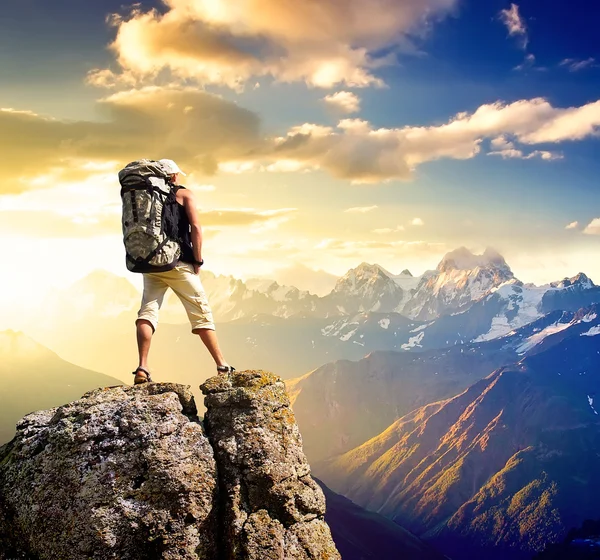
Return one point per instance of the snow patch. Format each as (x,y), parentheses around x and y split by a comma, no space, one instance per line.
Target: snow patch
(589,317)
(536,338)
(591,402)
(421,327)
(525,300)
(384,323)
(592,332)
(414,341)
(348,335)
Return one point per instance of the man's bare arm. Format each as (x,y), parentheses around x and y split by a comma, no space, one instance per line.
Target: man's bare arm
(189,204)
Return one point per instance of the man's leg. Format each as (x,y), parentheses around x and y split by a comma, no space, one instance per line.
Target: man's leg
(190,291)
(145,325)
(144,331)
(210,340)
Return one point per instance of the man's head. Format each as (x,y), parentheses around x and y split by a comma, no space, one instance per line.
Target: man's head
(172,169)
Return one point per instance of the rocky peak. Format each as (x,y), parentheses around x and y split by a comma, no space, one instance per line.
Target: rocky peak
(366,288)
(460,279)
(406,272)
(580,280)
(151,482)
(356,278)
(463,259)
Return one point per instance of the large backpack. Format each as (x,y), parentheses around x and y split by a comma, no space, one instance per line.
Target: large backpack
(149,208)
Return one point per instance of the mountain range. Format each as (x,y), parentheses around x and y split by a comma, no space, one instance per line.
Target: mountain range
(460,403)
(501,469)
(357,399)
(262,324)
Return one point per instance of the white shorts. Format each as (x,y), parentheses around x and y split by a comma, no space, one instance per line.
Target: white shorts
(188,288)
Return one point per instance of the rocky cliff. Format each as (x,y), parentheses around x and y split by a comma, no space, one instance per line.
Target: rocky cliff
(129,473)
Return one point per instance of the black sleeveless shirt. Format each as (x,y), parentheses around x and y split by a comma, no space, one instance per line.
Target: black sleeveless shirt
(180,229)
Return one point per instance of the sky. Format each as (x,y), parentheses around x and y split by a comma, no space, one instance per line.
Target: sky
(316,135)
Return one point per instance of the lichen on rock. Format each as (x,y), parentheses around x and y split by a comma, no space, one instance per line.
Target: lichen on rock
(272,508)
(128,473)
(122,473)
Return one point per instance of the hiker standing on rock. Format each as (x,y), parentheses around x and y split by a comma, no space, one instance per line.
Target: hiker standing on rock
(163,241)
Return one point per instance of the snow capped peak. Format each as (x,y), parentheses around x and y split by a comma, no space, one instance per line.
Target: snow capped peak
(367,287)
(580,280)
(460,279)
(463,259)
(406,272)
(364,273)
(371,268)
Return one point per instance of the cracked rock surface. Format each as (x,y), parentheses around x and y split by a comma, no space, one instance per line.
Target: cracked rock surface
(272,509)
(129,473)
(123,473)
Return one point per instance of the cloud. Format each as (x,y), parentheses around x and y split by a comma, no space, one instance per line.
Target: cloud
(575,65)
(244,217)
(572,225)
(151,122)
(44,224)
(356,151)
(360,209)
(384,231)
(107,221)
(417,222)
(351,248)
(219,135)
(513,21)
(230,42)
(344,101)
(528,64)
(269,250)
(507,150)
(593,228)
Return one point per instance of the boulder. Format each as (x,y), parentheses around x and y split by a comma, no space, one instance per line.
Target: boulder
(123,473)
(272,508)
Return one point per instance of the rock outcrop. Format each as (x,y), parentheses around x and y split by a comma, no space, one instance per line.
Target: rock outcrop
(272,508)
(129,473)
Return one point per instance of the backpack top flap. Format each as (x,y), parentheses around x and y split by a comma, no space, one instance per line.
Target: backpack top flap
(144,173)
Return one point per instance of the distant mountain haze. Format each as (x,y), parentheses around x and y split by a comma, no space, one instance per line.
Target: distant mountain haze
(34,378)
(264,324)
(460,279)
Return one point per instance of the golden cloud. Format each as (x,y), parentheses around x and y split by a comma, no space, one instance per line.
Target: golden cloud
(359,248)
(354,150)
(195,128)
(204,132)
(344,101)
(51,223)
(231,217)
(322,42)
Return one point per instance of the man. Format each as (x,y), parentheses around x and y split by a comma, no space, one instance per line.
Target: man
(183,280)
